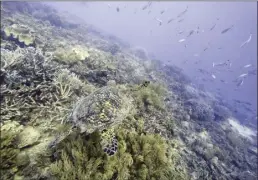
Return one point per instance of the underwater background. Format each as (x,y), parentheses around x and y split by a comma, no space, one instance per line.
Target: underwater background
(128,90)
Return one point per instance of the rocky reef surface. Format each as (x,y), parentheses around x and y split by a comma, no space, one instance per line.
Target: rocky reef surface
(77,104)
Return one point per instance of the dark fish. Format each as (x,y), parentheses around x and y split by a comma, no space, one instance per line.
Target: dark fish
(182,13)
(161,12)
(212,27)
(170,20)
(203,71)
(198,29)
(145,7)
(117,9)
(227,29)
(190,33)
(219,47)
(185,61)
(180,20)
(253,72)
(205,49)
(240,83)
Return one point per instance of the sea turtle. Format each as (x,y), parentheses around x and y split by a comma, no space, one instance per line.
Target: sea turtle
(102,109)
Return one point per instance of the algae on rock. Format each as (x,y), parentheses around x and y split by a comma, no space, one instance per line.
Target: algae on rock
(139,156)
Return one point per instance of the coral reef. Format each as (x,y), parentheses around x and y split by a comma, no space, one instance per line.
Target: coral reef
(138,157)
(21,34)
(78,103)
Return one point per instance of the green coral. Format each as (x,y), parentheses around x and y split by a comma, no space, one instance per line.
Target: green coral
(26,39)
(139,156)
(150,96)
(9,149)
(70,55)
(21,33)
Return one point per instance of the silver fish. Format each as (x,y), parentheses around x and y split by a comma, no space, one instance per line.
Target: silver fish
(240,83)
(182,13)
(222,64)
(247,41)
(242,75)
(181,40)
(160,22)
(248,65)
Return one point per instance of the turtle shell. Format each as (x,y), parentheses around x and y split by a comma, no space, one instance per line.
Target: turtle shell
(101,109)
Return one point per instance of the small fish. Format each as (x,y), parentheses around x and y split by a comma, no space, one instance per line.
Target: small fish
(253,72)
(213,76)
(145,7)
(196,54)
(180,32)
(227,29)
(242,75)
(205,49)
(161,12)
(160,22)
(181,40)
(109,5)
(240,83)
(247,41)
(185,61)
(117,9)
(222,64)
(248,65)
(190,33)
(180,20)
(203,71)
(223,81)
(182,13)
(149,11)
(219,47)
(170,20)
(212,27)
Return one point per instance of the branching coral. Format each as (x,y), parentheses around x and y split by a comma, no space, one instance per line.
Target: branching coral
(138,157)
(9,148)
(151,95)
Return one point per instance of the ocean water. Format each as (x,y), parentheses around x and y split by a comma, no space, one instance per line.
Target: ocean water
(139,28)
